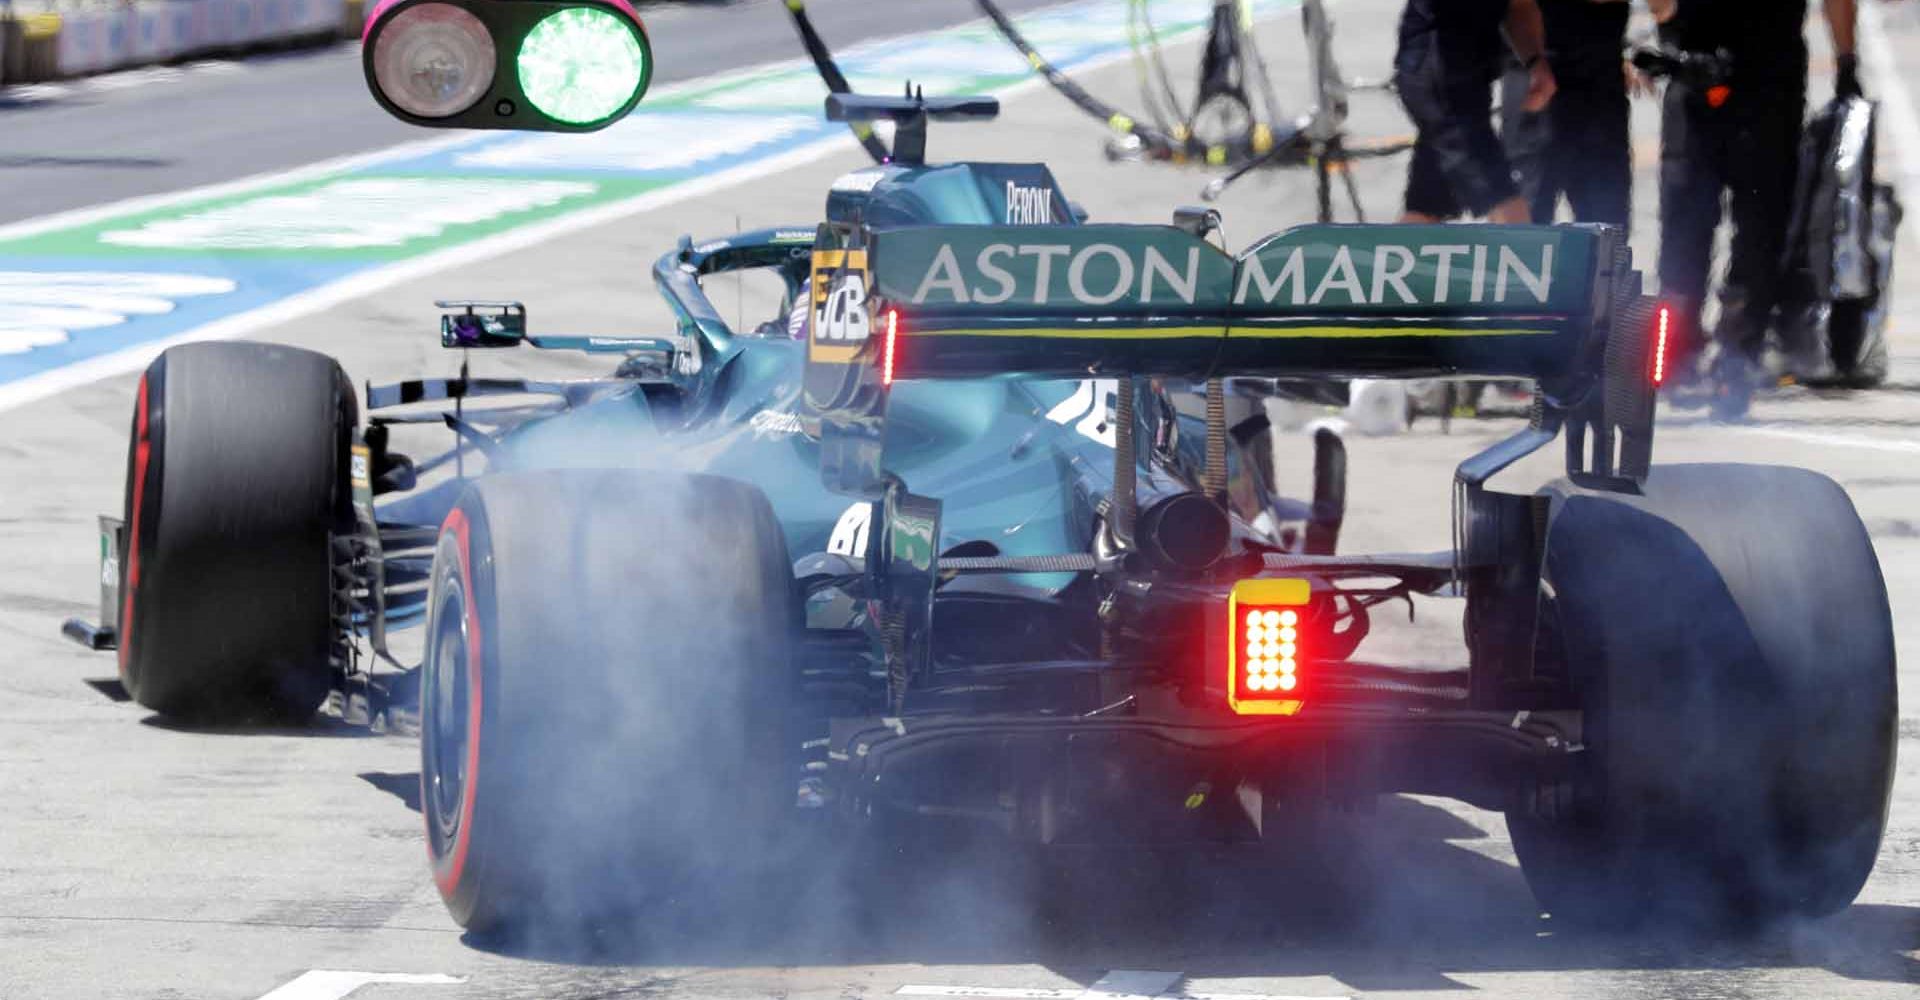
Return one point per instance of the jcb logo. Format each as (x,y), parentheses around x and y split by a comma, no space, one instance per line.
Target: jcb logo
(839,321)
(843,317)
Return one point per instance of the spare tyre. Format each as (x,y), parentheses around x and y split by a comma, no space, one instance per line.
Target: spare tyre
(236,481)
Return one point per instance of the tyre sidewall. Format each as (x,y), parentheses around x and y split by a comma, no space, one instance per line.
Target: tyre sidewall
(457,588)
(140,511)
(580,813)
(1730,641)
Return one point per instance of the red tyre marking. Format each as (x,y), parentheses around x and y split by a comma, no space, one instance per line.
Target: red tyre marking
(142,451)
(447,871)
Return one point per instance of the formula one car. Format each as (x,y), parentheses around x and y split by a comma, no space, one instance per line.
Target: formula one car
(954,555)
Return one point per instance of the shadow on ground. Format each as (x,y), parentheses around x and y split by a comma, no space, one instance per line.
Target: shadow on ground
(55,160)
(1400,899)
(319,727)
(402,785)
(110,688)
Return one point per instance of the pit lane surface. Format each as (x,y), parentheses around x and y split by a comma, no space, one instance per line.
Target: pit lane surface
(75,144)
(142,860)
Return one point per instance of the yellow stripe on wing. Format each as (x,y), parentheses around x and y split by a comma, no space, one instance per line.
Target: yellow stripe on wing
(1349,332)
(1085,333)
(1181,332)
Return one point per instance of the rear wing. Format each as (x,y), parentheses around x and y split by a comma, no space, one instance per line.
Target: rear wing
(1336,300)
(1559,304)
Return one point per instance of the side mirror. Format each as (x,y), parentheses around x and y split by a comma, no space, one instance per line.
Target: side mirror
(536,65)
(469,328)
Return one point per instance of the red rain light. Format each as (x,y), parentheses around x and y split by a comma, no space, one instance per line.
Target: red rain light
(1662,321)
(1266,646)
(886,355)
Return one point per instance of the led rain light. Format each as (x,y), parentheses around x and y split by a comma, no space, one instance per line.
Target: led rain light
(1663,318)
(886,362)
(434,60)
(1267,679)
(581,65)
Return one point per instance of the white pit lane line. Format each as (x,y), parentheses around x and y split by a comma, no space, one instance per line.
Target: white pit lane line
(1118,984)
(1832,440)
(335,984)
(1132,984)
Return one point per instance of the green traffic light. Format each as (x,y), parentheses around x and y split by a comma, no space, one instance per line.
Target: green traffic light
(581,65)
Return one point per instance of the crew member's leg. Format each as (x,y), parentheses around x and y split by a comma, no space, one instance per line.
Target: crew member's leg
(1763,160)
(1457,150)
(1472,158)
(1534,143)
(1690,184)
(1429,196)
(1596,161)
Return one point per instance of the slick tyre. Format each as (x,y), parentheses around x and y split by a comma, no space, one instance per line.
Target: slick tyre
(236,478)
(1729,640)
(608,675)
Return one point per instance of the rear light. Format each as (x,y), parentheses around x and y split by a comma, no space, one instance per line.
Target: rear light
(1266,646)
(1662,323)
(886,354)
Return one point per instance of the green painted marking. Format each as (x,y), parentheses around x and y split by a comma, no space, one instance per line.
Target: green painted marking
(371,216)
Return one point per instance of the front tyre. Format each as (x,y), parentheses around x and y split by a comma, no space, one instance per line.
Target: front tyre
(236,480)
(604,701)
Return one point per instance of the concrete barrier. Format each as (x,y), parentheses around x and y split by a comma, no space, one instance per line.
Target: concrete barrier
(32,42)
(92,41)
(160,31)
(78,40)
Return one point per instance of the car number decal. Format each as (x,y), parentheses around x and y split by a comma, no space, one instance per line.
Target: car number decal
(849,536)
(1089,410)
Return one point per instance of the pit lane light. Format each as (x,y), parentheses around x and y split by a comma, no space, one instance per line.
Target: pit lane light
(537,65)
(580,65)
(435,59)
(1266,646)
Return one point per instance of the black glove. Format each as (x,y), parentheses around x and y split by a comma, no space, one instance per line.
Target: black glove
(1846,76)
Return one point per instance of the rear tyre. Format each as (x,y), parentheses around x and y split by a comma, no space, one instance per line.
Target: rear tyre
(605,696)
(1729,638)
(236,478)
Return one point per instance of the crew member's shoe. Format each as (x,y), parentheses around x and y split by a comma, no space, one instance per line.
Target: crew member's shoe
(1733,380)
(1686,388)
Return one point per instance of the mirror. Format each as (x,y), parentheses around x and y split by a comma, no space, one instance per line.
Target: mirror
(504,326)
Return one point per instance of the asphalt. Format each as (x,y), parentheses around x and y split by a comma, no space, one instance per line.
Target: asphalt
(80,143)
(141,860)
